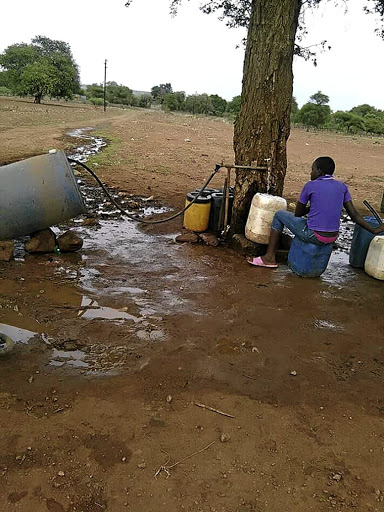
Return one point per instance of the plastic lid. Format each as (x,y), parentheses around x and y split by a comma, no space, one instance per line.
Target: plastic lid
(200,199)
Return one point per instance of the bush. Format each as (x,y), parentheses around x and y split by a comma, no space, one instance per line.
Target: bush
(97,101)
(4,91)
(345,121)
(312,114)
(144,101)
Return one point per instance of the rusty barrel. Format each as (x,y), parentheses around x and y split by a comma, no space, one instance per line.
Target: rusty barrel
(37,193)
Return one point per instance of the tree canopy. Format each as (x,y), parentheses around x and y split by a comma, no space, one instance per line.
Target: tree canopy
(43,68)
(237,13)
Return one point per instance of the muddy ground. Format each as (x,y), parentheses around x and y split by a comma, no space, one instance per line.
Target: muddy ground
(118,343)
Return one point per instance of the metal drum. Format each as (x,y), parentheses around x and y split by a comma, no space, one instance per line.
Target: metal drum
(37,193)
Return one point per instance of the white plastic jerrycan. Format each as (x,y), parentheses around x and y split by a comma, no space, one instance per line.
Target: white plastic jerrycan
(374,262)
(263,208)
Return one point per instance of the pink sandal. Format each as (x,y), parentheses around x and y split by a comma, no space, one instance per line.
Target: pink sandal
(258,262)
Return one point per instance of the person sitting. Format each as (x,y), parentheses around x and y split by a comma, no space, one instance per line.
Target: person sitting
(326,197)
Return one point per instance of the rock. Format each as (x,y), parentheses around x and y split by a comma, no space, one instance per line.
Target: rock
(42,241)
(133,205)
(294,373)
(91,221)
(337,477)
(69,242)
(142,465)
(169,399)
(210,239)
(6,250)
(188,236)
(69,346)
(245,247)
(224,438)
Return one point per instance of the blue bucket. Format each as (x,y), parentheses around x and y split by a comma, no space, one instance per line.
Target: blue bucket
(360,243)
(308,260)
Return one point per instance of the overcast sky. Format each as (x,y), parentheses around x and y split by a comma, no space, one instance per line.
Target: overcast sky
(195,52)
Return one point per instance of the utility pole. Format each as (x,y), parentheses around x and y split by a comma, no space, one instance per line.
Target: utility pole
(105,84)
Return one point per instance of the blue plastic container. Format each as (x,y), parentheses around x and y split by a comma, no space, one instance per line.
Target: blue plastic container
(360,243)
(308,260)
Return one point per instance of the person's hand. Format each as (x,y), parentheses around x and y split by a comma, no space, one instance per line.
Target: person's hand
(379,229)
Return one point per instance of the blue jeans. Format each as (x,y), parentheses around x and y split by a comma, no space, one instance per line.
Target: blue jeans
(297,225)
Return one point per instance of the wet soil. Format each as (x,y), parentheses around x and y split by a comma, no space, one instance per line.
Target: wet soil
(116,344)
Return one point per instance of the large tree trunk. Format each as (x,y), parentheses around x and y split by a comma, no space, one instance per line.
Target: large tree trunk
(263,125)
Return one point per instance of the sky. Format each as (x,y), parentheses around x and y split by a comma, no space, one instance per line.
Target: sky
(197,53)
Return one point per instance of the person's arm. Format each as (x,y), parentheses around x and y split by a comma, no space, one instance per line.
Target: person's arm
(301,209)
(301,206)
(356,217)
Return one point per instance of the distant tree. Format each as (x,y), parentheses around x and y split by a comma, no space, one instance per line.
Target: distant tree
(219,105)
(170,102)
(95,91)
(363,110)
(118,94)
(349,122)
(44,67)
(144,101)
(233,106)
(174,101)
(319,98)
(294,105)
(294,109)
(159,91)
(198,104)
(374,123)
(312,114)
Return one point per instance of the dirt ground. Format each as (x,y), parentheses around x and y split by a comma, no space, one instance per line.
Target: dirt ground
(117,345)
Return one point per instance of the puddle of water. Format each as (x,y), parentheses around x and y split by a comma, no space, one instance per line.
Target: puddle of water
(16,334)
(155,335)
(92,309)
(327,324)
(93,146)
(74,358)
(107,314)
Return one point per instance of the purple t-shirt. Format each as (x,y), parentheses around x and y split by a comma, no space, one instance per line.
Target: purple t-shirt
(326,196)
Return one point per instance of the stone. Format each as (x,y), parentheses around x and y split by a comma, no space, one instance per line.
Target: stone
(6,250)
(69,346)
(90,221)
(133,205)
(188,236)
(209,239)
(224,438)
(69,242)
(245,247)
(42,241)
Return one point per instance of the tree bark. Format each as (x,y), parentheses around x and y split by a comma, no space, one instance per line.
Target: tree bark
(38,98)
(263,124)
